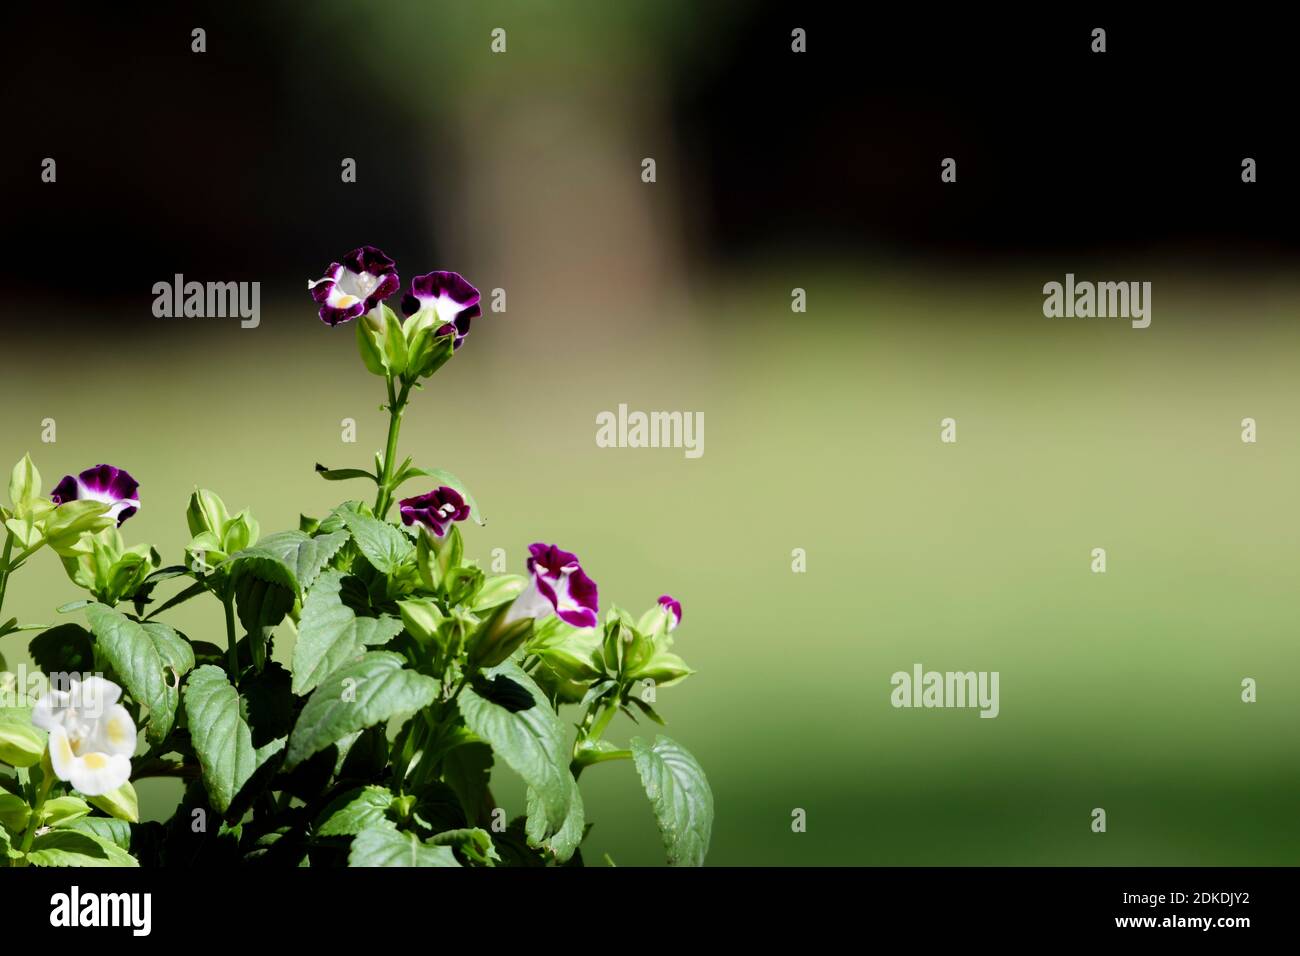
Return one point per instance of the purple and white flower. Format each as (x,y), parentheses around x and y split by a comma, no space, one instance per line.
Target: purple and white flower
(92,736)
(113,486)
(673,608)
(435,511)
(557,585)
(450,301)
(353,287)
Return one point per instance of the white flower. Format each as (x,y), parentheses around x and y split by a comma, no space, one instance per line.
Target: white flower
(92,736)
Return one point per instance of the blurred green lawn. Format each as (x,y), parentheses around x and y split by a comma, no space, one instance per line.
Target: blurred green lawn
(822,432)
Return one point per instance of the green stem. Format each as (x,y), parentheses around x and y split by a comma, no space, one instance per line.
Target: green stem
(4,566)
(603,720)
(396,406)
(603,755)
(34,821)
(232,649)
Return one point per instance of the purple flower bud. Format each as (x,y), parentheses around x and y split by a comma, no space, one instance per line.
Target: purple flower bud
(673,607)
(113,486)
(353,287)
(558,586)
(451,301)
(434,511)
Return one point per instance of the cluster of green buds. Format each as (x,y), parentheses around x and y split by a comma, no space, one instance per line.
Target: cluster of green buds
(216,534)
(78,520)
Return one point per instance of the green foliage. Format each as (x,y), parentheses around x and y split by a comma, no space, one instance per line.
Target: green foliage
(416,677)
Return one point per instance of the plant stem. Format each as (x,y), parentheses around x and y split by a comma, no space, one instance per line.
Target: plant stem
(396,406)
(4,566)
(232,650)
(34,821)
(603,720)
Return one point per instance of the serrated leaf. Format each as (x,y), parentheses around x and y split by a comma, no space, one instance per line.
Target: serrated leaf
(387,846)
(68,847)
(530,741)
(307,556)
(330,634)
(680,795)
(264,565)
(565,841)
(221,738)
(383,545)
(151,659)
(354,811)
(361,694)
(117,832)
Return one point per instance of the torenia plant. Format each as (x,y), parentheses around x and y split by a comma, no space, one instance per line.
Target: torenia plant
(413,677)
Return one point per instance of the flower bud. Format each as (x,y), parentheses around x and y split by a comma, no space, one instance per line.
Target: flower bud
(206,512)
(69,521)
(497,638)
(239,532)
(24,485)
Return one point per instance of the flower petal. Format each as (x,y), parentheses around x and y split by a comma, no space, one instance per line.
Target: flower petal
(96,773)
(115,733)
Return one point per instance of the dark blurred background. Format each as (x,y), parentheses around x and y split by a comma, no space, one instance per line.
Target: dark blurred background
(229,161)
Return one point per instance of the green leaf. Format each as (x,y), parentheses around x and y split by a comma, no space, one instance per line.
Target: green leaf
(60,847)
(117,832)
(330,634)
(21,744)
(468,770)
(14,812)
(383,545)
(383,845)
(263,564)
(151,659)
(531,741)
(443,477)
(343,474)
(354,811)
(262,606)
(220,736)
(474,843)
(63,810)
(24,484)
(305,555)
(361,694)
(683,803)
(122,803)
(564,842)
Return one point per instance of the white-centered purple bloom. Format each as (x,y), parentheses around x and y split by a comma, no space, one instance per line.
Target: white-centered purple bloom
(113,486)
(557,585)
(354,286)
(435,511)
(451,302)
(673,608)
(92,736)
